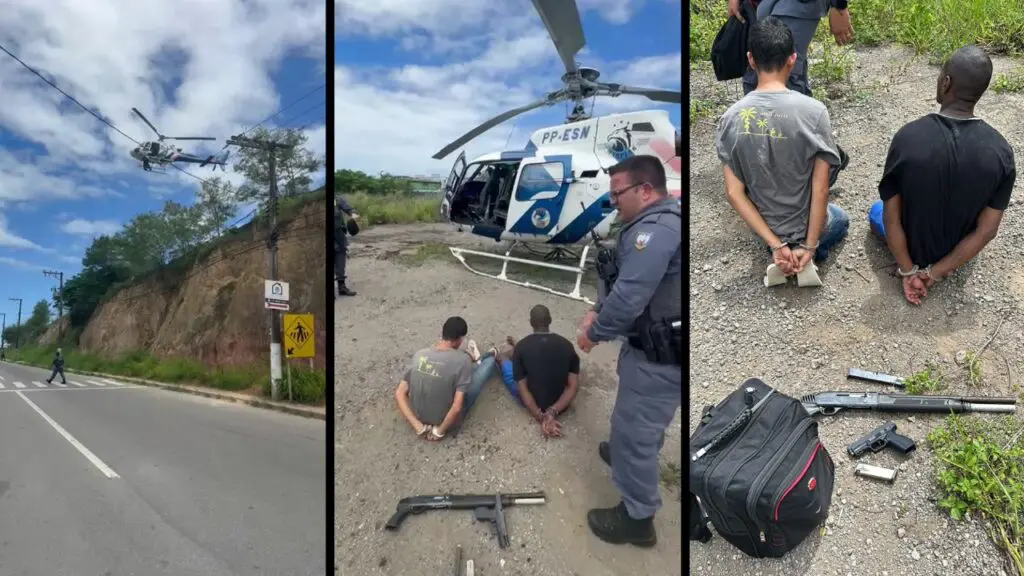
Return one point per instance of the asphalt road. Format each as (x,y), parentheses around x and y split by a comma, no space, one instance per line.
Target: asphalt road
(101,479)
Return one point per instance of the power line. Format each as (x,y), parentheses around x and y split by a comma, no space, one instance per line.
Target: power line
(275,114)
(69,96)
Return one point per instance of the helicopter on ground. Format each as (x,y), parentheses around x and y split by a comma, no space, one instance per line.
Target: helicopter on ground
(158,154)
(555,190)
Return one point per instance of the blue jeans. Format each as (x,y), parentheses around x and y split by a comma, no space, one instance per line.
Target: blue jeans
(875,219)
(481,374)
(836,226)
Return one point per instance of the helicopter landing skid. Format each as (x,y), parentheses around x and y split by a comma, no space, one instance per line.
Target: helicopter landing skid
(460,254)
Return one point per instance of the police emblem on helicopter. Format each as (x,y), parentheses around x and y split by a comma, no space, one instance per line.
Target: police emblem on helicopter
(540,218)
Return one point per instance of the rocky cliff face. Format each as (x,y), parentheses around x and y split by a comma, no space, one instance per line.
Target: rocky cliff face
(213,313)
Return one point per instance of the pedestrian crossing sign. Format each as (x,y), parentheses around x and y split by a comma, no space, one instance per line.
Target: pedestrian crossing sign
(298,336)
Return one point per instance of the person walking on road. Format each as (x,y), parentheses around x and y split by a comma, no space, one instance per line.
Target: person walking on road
(341,208)
(641,299)
(58,367)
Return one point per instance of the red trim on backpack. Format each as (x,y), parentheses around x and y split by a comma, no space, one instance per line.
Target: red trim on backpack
(797,479)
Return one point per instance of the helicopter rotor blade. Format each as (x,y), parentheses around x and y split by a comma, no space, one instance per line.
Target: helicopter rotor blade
(148,123)
(562,19)
(188,138)
(456,144)
(656,94)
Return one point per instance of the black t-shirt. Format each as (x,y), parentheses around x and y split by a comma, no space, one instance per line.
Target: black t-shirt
(545,359)
(946,171)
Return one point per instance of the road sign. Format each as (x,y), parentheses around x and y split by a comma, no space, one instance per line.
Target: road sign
(275,295)
(298,336)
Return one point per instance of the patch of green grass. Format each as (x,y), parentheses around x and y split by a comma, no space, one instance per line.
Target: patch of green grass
(923,382)
(670,474)
(972,366)
(935,28)
(140,364)
(702,108)
(395,208)
(424,253)
(307,386)
(980,472)
(1012,81)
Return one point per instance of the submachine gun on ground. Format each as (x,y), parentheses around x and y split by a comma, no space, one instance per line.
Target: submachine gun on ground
(486,508)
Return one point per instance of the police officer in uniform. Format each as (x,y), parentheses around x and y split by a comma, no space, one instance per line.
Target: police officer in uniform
(641,301)
(341,208)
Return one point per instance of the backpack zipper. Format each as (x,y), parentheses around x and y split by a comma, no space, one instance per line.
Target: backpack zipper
(721,458)
(778,498)
(773,464)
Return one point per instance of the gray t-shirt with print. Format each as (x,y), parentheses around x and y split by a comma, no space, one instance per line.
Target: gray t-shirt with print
(433,377)
(770,140)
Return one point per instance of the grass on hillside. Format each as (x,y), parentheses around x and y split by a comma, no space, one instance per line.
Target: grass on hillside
(376,209)
(308,386)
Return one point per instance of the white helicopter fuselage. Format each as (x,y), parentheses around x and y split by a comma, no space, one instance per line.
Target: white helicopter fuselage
(556,190)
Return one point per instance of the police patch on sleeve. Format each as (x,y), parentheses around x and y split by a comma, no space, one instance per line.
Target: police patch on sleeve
(642,240)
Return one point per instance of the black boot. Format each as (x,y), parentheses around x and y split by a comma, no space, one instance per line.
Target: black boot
(604,450)
(343,290)
(613,525)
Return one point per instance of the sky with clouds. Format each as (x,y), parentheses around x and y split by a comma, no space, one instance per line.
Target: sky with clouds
(413,75)
(193,67)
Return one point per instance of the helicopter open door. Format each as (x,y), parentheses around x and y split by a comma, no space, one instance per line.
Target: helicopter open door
(451,185)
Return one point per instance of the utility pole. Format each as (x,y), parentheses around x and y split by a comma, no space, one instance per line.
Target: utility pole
(60,301)
(17,333)
(3,339)
(271,148)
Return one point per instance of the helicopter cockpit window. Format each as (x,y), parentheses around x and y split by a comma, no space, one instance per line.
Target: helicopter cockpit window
(154,148)
(539,178)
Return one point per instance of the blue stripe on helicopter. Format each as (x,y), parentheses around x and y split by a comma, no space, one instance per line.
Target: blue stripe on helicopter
(535,180)
(584,223)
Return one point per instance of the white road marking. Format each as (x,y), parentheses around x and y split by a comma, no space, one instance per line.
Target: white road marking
(113,382)
(95,382)
(1,378)
(39,385)
(60,385)
(80,385)
(35,391)
(1,386)
(106,470)
(19,385)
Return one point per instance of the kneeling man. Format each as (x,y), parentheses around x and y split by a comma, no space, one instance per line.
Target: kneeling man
(947,180)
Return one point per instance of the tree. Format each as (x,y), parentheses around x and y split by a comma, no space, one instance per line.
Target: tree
(216,198)
(295,165)
(37,323)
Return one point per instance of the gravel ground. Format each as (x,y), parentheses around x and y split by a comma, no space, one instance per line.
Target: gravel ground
(399,309)
(803,341)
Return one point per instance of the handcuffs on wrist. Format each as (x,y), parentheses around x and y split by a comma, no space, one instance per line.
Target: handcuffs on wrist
(915,270)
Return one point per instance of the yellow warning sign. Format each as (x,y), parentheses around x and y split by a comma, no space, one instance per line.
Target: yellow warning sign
(298,336)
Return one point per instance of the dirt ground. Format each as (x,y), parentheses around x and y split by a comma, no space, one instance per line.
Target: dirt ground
(803,341)
(407,288)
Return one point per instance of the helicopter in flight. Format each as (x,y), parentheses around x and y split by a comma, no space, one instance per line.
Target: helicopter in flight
(157,154)
(554,191)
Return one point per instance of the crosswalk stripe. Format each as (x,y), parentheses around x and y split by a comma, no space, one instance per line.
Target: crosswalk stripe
(59,384)
(19,385)
(113,382)
(39,385)
(95,382)
(80,385)
(1,386)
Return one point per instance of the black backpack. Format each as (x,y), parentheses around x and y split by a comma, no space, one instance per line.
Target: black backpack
(729,50)
(763,478)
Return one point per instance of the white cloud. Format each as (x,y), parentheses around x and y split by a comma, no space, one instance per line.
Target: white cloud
(90,228)
(498,56)
(9,239)
(19,264)
(216,58)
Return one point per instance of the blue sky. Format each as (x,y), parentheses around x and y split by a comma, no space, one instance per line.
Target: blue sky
(412,75)
(66,178)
